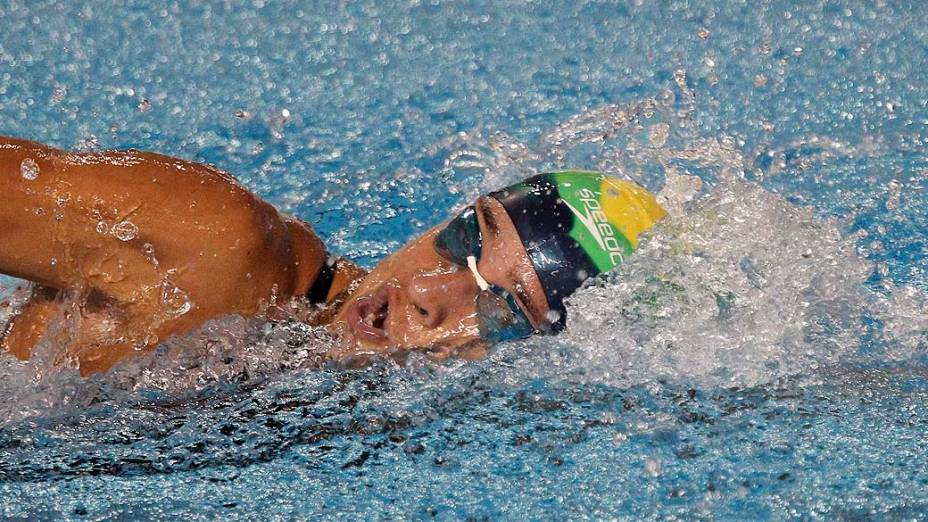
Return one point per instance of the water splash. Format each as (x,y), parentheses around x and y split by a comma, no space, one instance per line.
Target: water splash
(741,290)
(737,287)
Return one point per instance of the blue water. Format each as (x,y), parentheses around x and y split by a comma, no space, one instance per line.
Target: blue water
(764,357)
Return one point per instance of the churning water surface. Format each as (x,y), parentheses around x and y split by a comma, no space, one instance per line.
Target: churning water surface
(762,355)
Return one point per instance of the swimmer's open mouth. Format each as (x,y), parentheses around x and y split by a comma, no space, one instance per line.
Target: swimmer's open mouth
(367,316)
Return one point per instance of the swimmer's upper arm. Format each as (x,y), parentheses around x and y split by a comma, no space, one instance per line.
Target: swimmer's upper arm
(120,220)
(161,243)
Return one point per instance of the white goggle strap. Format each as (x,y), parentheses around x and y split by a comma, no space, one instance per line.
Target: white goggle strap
(481,282)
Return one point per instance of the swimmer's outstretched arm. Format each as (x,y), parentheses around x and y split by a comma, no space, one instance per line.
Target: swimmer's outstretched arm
(164,244)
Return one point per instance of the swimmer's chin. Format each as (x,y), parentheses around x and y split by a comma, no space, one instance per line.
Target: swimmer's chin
(353,356)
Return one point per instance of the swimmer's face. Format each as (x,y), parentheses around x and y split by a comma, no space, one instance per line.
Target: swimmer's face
(418,299)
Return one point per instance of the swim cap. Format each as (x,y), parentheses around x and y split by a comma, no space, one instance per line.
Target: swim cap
(575,225)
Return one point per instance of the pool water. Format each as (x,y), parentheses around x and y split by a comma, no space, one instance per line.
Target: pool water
(763,355)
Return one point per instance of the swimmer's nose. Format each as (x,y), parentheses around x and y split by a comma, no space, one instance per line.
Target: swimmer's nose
(437,296)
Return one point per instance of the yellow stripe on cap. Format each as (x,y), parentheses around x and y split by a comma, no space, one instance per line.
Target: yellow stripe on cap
(629,208)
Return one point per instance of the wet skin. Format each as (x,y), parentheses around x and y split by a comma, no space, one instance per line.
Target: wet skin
(154,246)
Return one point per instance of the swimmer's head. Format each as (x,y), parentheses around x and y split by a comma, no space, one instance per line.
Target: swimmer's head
(575,225)
(501,268)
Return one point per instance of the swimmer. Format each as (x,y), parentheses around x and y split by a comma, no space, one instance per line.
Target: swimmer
(153,246)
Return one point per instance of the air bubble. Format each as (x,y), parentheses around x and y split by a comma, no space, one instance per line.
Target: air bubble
(29,169)
(144,105)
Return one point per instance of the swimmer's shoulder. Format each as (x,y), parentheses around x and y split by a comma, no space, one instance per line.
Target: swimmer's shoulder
(127,169)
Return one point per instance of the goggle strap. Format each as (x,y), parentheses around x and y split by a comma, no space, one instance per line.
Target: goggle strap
(472,265)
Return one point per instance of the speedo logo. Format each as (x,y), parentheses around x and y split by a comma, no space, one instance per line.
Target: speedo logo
(595,221)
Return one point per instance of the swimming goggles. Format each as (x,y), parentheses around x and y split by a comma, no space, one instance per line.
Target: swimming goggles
(500,318)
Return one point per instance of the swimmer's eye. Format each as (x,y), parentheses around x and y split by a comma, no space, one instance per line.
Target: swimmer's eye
(422,311)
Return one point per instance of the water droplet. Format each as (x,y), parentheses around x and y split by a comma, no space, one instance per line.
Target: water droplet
(148,341)
(274,290)
(653,467)
(29,169)
(144,105)
(102,228)
(658,134)
(175,301)
(58,95)
(141,344)
(553,316)
(125,230)
(87,144)
(894,191)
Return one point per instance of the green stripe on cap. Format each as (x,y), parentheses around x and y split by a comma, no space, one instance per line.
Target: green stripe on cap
(582,193)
